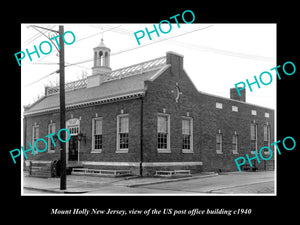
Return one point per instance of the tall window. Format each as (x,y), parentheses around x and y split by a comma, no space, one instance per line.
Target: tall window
(35,133)
(187,134)
(51,129)
(97,135)
(235,143)
(163,123)
(123,130)
(253,137)
(267,135)
(219,142)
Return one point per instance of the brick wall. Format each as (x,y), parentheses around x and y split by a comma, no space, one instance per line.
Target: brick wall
(161,97)
(228,122)
(207,121)
(109,113)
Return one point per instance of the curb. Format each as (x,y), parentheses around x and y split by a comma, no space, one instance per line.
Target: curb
(56,191)
(78,191)
(173,180)
(236,186)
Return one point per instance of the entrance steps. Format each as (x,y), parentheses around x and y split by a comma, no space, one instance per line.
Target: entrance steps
(73,165)
(99,172)
(39,169)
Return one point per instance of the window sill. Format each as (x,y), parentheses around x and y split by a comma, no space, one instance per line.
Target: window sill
(219,152)
(235,152)
(96,151)
(122,151)
(187,151)
(163,150)
(51,151)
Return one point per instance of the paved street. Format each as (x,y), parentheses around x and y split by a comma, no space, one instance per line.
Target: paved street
(231,183)
(224,183)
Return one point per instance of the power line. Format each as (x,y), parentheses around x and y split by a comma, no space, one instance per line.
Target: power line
(126,32)
(223,52)
(183,44)
(124,50)
(98,33)
(81,40)
(133,48)
(205,48)
(37,35)
(56,71)
(117,29)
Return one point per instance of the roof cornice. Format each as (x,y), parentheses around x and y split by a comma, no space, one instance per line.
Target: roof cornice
(89,103)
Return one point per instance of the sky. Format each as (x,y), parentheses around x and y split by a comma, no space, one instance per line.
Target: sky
(216,56)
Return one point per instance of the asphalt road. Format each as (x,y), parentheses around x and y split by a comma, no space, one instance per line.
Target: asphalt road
(224,183)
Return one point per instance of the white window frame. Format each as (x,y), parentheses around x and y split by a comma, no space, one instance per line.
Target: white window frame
(168,149)
(268,134)
(49,141)
(235,151)
(38,133)
(121,150)
(191,150)
(253,112)
(219,105)
(93,135)
(35,126)
(219,151)
(267,115)
(256,141)
(235,108)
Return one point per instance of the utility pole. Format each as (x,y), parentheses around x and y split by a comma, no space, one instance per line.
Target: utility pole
(61,50)
(63,180)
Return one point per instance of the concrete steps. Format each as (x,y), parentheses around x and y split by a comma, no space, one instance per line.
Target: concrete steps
(40,169)
(99,172)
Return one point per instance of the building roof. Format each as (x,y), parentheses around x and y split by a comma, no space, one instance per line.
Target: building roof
(102,45)
(124,83)
(117,85)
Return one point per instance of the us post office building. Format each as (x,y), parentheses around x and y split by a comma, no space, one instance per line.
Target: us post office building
(148,117)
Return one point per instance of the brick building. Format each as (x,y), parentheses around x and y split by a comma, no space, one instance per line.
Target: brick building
(148,117)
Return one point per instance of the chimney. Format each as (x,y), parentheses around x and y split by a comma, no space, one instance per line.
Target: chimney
(235,95)
(46,90)
(176,61)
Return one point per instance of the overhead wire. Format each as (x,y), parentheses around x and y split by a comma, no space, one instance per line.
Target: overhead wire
(97,33)
(124,50)
(204,48)
(56,71)
(183,44)
(37,35)
(151,43)
(80,40)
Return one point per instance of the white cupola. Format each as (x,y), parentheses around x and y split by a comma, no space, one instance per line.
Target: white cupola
(101,65)
(101,59)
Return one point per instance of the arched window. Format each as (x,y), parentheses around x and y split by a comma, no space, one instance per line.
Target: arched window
(106,59)
(100,58)
(95,59)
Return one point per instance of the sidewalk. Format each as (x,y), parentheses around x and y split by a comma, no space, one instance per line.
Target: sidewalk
(77,184)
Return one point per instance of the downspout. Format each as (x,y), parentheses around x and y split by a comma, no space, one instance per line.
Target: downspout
(141,136)
(24,138)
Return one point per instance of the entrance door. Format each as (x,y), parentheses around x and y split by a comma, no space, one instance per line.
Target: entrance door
(73,148)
